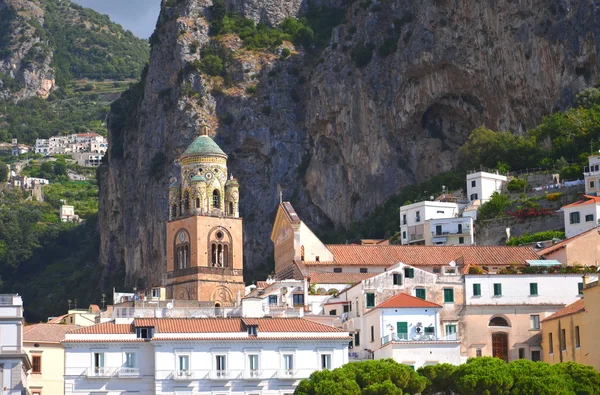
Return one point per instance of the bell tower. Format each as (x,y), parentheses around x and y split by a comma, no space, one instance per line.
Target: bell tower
(204,231)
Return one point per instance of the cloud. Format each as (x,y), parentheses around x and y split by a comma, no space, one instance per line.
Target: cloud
(139,16)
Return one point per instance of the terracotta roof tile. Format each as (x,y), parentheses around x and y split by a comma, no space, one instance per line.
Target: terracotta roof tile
(403,300)
(589,200)
(380,255)
(56,320)
(567,310)
(262,284)
(224,325)
(104,328)
(339,278)
(52,333)
(563,243)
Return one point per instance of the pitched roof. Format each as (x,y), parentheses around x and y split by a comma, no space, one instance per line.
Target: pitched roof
(225,325)
(382,255)
(262,284)
(339,278)
(588,200)
(108,328)
(203,145)
(567,310)
(51,333)
(403,300)
(564,243)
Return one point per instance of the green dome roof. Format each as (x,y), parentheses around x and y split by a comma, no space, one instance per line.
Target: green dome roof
(198,179)
(204,145)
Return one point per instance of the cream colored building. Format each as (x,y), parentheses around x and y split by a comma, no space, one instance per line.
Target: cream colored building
(580,250)
(591,322)
(562,334)
(502,313)
(79,317)
(42,343)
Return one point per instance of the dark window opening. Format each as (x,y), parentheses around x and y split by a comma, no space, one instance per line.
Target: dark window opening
(216,199)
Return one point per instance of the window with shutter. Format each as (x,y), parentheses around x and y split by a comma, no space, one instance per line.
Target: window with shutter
(448,295)
(420,293)
(476,289)
(370,300)
(533,289)
(497,289)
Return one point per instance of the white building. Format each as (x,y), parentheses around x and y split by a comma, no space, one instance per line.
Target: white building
(42,146)
(200,355)
(407,329)
(413,217)
(14,362)
(581,216)
(592,176)
(481,185)
(67,213)
(450,231)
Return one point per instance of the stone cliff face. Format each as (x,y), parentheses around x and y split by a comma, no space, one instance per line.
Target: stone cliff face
(336,138)
(25,61)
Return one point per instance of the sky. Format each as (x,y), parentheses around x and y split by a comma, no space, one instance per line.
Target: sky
(139,16)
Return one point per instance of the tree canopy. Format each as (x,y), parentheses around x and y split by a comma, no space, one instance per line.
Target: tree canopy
(479,376)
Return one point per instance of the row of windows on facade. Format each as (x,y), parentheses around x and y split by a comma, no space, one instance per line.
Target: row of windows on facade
(220,362)
(562,340)
(575,218)
(216,203)
(418,216)
(533,289)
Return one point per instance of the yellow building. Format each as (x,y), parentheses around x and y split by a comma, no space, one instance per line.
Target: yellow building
(571,334)
(80,317)
(591,323)
(204,232)
(42,344)
(562,334)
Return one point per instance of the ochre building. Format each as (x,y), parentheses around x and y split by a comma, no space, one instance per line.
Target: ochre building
(204,231)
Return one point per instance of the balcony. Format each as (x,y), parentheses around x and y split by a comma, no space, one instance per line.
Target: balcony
(129,373)
(254,374)
(224,374)
(188,375)
(100,373)
(593,170)
(427,337)
(359,355)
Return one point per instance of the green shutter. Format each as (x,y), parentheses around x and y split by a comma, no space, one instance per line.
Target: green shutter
(402,330)
(370,300)
(476,289)
(533,289)
(497,289)
(448,295)
(580,288)
(420,293)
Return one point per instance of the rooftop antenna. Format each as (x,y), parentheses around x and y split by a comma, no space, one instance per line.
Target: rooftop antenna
(280,196)
(103,300)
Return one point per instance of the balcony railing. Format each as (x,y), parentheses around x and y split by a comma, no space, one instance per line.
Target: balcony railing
(591,170)
(129,373)
(426,337)
(227,375)
(100,372)
(359,355)
(415,237)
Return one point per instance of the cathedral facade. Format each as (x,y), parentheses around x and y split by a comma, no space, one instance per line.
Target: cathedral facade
(204,231)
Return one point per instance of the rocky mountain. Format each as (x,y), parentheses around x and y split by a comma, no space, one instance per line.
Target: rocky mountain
(46,43)
(385,102)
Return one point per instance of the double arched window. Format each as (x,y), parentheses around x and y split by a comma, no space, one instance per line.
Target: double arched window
(219,247)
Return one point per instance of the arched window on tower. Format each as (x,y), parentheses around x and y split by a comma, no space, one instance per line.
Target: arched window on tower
(197,202)
(186,201)
(231,209)
(216,199)
(225,255)
(213,254)
(181,252)
(174,211)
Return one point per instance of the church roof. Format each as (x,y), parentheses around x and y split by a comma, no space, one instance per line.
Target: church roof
(203,145)
(198,179)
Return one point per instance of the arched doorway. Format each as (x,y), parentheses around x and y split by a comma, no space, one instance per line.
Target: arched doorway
(500,345)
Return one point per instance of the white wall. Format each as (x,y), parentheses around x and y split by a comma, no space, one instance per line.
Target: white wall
(552,289)
(572,230)
(426,210)
(485,185)
(450,235)
(420,354)
(158,363)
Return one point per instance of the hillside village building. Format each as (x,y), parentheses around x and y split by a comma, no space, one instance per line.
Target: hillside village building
(14,361)
(581,216)
(482,185)
(204,231)
(592,175)
(580,250)
(87,149)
